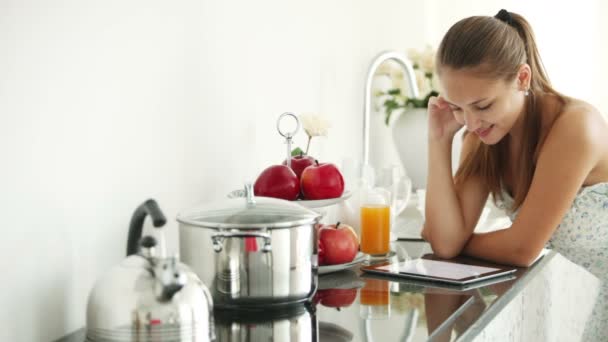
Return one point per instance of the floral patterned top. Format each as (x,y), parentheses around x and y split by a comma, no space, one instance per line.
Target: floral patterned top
(582,237)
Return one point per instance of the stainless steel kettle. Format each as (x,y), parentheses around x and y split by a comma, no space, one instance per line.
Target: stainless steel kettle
(148,297)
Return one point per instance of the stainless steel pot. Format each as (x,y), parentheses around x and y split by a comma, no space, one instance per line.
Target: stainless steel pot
(252,251)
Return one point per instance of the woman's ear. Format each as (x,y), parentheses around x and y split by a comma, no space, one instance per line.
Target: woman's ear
(524,77)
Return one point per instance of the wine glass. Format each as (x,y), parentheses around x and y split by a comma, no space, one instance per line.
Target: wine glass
(395,180)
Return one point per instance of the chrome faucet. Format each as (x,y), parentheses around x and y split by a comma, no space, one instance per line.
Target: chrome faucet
(402,60)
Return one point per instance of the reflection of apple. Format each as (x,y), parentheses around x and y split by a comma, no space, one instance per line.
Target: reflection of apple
(321,181)
(299,163)
(338,244)
(277,181)
(336,298)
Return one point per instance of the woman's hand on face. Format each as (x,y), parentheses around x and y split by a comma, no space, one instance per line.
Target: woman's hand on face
(442,123)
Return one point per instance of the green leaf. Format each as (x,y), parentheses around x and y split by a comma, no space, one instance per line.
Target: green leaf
(395,91)
(391,104)
(415,103)
(426,99)
(388,117)
(389,112)
(297,151)
(420,103)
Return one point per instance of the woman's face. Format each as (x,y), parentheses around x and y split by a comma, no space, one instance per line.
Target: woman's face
(487,107)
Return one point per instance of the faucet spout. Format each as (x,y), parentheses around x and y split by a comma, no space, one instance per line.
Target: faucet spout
(404,62)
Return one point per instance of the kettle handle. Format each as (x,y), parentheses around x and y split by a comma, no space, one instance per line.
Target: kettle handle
(149,207)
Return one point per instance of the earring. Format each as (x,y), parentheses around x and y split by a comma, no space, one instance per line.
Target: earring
(526,92)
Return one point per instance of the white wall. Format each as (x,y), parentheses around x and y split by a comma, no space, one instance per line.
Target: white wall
(93,97)
(106,103)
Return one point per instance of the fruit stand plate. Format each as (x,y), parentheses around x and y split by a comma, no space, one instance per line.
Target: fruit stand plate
(306,203)
(339,267)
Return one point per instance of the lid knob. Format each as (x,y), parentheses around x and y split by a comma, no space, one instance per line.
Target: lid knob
(169,278)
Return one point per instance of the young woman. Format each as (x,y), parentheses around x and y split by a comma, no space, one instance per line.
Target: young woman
(543,156)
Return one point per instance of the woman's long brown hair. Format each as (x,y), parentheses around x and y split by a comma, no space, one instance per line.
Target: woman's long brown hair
(497,49)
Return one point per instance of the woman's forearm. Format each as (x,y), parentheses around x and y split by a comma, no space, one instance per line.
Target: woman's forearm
(501,246)
(444,222)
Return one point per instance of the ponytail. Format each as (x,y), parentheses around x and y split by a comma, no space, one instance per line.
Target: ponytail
(540,79)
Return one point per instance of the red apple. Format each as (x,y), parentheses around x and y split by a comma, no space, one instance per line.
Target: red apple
(299,163)
(278,181)
(336,298)
(321,181)
(338,244)
(320,252)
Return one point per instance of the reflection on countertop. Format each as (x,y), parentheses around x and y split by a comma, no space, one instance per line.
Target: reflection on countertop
(350,306)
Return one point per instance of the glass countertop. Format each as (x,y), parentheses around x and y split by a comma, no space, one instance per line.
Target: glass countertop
(352,306)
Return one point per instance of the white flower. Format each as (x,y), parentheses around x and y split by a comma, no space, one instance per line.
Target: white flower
(388,76)
(423,83)
(427,60)
(414,56)
(435,84)
(314,124)
(392,71)
(425,76)
(384,69)
(380,86)
(397,78)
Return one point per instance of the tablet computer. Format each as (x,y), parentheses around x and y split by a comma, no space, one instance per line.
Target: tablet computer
(426,286)
(454,272)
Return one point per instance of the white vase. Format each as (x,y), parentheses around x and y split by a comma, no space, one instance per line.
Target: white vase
(410,135)
(382,151)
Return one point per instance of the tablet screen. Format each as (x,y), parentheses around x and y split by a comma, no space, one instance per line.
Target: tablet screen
(440,270)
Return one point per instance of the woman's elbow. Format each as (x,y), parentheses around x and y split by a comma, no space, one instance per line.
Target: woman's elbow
(524,257)
(521,262)
(444,247)
(446,250)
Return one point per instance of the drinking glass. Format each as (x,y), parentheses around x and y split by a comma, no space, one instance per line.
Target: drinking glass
(375,214)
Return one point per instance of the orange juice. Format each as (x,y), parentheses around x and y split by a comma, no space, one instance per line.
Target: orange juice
(375,292)
(375,229)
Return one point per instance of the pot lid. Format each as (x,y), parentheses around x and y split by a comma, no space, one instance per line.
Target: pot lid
(249,212)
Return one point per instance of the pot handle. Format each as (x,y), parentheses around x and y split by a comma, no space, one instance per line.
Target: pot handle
(149,207)
(218,240)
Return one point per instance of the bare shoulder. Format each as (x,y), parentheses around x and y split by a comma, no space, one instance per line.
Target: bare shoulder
(579,132)
(581,124)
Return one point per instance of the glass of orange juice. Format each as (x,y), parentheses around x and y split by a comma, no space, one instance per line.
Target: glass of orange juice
(376,224)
